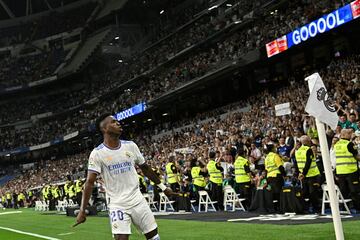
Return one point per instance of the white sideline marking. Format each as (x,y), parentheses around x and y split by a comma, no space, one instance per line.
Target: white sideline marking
(63,234)
(13,212)
(28,233)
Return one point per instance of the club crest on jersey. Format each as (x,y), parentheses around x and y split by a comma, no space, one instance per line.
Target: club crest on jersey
(109,158)
(128,154)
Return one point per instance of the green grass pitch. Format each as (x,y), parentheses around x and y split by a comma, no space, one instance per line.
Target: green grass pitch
(98,228)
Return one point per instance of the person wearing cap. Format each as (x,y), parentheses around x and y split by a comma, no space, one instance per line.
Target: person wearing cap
(216,179)
(308,171)
(347,169)
(275,171)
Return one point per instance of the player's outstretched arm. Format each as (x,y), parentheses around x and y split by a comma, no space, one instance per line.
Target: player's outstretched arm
(89,184)
(149,173)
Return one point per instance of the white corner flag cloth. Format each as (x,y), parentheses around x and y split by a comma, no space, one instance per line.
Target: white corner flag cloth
(319,105)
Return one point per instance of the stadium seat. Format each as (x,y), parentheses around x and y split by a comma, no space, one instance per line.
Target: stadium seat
(231,198)
(326,199)
(38,205)
(44,206)
(204,199)
(61,206)
(149,197)
(164,201)
(72,204)
(192,205)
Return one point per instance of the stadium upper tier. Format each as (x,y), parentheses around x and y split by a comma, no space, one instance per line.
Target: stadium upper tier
(223,50)
(48,23)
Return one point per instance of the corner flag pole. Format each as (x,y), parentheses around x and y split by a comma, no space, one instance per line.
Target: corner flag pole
(334,201)
(330,181)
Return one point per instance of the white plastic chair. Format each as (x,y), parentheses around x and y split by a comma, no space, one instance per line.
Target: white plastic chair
(38,206)
(231,198)
(61,206)
(326,199)
(204,199)
(44,206)
(149,197)
(192,205)
(164,201)
(72,204)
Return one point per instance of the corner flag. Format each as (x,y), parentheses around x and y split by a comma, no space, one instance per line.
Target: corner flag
(319,105)
(322,108)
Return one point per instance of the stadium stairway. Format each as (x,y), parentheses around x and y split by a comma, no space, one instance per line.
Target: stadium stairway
(84,52)
(6,178)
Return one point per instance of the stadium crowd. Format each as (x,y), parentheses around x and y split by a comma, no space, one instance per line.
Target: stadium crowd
(258,131)
(184,71)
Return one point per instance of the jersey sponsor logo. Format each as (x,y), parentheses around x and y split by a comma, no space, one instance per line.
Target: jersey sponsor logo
(119,168)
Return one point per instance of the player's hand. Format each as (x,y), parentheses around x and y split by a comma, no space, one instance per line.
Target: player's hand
(301,177)
(168,192)
(81,218)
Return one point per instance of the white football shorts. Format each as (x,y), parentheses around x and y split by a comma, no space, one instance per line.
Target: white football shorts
(140,215)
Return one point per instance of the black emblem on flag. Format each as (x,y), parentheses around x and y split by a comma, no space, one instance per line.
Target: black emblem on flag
(322,95)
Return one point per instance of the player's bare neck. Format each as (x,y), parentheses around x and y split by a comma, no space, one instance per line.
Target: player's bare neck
(112,141)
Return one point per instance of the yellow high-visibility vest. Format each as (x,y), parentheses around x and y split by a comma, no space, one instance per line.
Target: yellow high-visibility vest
(300,156)
(78,186)
(171,177)
(66,188)
(71,191)
(215,174)
(270,165)
(241,175)
(345,161)
(198,180)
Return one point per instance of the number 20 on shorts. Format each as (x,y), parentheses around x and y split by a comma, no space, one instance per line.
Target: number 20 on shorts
(116,215)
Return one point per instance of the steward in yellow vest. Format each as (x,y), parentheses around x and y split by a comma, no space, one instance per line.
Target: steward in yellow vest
(78,190)
(242,176)
(66,189)
(55,191)
(347,170)
(72,192)
(45,192)
(21,199)
(78,185)
(275,171)
(308,172)
(198,174)
(216,178)
(172,174)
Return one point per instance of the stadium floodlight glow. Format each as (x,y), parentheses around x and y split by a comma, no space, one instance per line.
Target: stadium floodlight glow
(117,38)
(229,5)
(120,60)
(213,7)
(165,114)
(162,11)
(149,120)
(325,23)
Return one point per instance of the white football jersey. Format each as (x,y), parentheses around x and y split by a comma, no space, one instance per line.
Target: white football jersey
(117,169)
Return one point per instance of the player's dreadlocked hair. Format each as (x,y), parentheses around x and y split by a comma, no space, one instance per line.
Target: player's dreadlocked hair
(100,119)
